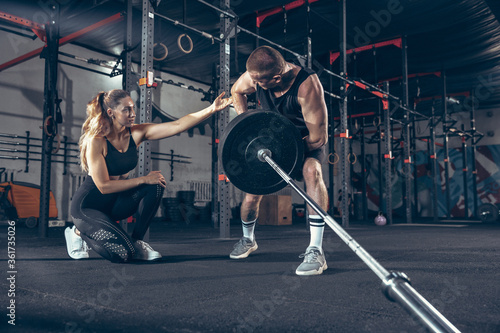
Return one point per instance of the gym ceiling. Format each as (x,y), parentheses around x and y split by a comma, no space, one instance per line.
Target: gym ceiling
(460,39)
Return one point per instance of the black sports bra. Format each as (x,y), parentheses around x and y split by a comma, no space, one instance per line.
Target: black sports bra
(121,163)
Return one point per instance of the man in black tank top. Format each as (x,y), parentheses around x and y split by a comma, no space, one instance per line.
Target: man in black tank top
(297,94)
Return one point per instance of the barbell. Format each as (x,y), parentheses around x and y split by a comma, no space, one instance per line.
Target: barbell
(261,152)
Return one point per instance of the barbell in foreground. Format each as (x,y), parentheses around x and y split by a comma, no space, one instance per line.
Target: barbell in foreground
(255,146)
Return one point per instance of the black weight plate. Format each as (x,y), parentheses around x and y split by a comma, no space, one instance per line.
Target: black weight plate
(251,131)
(488,213)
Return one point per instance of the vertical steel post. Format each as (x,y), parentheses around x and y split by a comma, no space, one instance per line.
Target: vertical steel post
(446,159)
(215,155)
(446,147)
(415,171)
(465,169)
(380,162)
(407,165)
(351,107)
(434,165)
(223,120)
(50,93)
(379,143)
(331,149)
(127,77)
(364,199)
(473,158)
(344,131)
(387,155)
(146,107)
(309,34)
(127,83)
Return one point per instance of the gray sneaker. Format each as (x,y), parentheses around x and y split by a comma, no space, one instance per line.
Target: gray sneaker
(314,262)
(243,248)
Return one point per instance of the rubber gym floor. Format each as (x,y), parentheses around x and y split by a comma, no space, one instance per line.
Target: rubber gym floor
(195,287)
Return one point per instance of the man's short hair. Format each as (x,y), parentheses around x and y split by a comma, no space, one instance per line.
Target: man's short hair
(266,61)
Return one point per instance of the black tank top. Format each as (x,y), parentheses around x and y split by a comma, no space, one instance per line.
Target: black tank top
(288,104)
(121,163)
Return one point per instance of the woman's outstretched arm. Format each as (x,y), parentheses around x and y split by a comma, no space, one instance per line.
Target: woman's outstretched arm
(149,131)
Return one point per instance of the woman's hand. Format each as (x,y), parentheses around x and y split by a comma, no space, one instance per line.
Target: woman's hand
(155,177)
(221,103)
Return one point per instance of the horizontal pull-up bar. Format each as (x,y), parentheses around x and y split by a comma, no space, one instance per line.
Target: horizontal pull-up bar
(84,68)
(335,74)
(453,131)
(430,98)
(185,26)
(332,95)
(228,14)
(396,42)
(272,43)
(97,62)
(238,29)
(208,95)
(92,61)
(401,122)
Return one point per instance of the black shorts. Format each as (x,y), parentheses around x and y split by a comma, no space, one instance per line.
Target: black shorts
(319,154)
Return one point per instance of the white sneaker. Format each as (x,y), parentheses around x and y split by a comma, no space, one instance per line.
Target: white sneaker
(144,251)
(76,246)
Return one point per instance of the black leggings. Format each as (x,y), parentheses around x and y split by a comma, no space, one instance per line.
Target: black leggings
(96,215)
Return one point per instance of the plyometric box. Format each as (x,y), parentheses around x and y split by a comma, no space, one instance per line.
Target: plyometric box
(275,210)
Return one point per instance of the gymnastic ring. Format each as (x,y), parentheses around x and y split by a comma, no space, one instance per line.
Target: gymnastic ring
(378,124)
(46,123)
(349,158)
(164,48)
(58,140)
(404,173)
(180,45)
(335,161)
(402,168)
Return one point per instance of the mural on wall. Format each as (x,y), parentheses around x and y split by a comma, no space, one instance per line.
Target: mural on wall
(488,181)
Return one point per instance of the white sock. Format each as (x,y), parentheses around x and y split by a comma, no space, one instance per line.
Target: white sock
(248,229)
(316,228)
